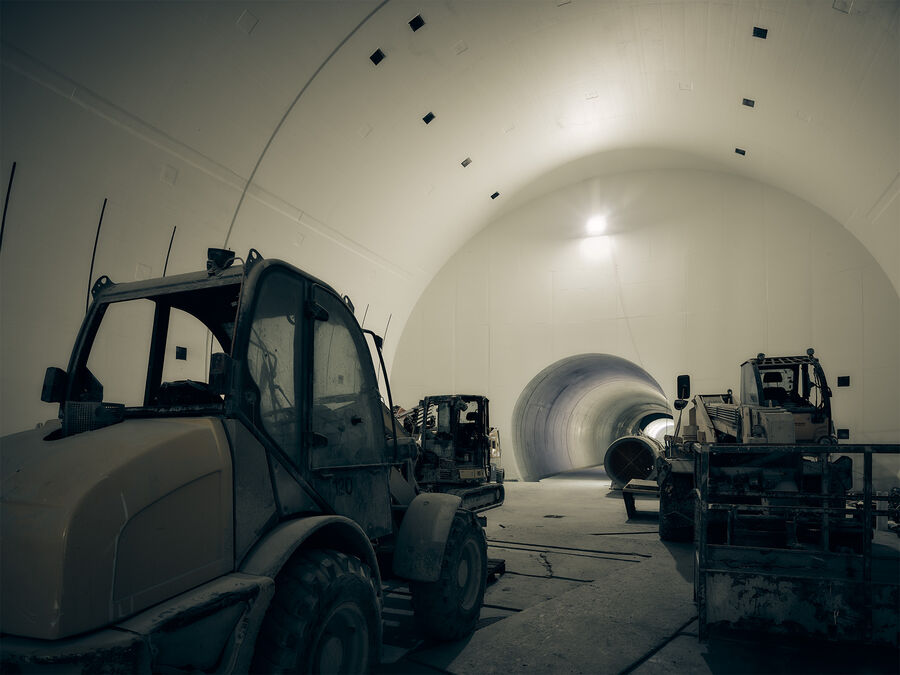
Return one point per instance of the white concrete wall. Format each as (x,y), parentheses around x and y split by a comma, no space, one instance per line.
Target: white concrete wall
(72,150)
(699,272)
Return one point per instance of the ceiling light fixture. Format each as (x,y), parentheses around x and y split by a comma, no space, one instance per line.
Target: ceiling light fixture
(428,118)
(596,224)
(377,57)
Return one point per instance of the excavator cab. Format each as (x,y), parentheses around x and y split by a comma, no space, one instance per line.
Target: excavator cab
(454,439)
(457,446)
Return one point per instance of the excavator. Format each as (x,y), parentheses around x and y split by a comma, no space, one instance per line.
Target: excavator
(458,449)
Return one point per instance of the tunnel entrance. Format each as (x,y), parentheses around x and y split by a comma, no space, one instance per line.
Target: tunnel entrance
(570,412)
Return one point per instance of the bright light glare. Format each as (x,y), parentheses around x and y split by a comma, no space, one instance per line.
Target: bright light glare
(659,428)
(596,224)
(594,248)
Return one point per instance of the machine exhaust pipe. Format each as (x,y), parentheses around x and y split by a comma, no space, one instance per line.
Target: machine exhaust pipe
(632,457)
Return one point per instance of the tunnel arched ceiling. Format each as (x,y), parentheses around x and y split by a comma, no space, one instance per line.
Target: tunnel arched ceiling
(268,124)
(282,100)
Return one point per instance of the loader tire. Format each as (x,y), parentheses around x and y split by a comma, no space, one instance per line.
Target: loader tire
(324,618)
(674,523)
(447,609)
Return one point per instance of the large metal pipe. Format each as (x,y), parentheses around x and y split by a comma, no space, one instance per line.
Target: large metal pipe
(632,457)
(572,410)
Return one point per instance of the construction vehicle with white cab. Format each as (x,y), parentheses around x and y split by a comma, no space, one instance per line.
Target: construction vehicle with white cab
(242,523)
(783,517)
(784,400)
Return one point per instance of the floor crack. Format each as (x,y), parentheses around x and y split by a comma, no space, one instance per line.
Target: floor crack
(546,563)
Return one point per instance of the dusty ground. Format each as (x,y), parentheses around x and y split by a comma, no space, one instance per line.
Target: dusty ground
(587,591)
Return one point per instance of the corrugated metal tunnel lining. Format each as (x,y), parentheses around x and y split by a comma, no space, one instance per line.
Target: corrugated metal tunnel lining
(570,413)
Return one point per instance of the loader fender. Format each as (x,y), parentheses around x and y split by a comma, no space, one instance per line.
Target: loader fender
(332,532)
(423,536)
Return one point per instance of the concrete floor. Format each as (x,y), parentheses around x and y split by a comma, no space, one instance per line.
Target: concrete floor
(587,591)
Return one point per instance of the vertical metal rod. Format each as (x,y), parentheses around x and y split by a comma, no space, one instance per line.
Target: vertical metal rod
(867,541)
(700,533)
(826,503)
(6,202)
(388,325)
(169,251)
(87,300)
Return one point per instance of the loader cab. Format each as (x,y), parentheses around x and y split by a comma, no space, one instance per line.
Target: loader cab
(795,383)
(266,345)
(304,383)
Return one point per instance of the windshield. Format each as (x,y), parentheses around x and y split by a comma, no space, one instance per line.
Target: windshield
(793,385)
(155,351)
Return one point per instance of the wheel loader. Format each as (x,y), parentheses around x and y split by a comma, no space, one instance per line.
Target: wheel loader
(224,489)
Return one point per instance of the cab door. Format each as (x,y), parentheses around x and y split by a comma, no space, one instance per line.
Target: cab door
(347,454)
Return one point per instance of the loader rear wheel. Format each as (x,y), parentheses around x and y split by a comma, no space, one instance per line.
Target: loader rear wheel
(447,609)
(324,617)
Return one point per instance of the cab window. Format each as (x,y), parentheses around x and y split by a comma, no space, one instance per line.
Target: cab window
(346,414)
(120,351)
(189,344)
(273,359)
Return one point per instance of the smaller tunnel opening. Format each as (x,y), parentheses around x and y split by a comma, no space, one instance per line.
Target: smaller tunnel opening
(659,428)
(569,414)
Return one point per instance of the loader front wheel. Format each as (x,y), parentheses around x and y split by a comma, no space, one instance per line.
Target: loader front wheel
(447,609)
(324,617)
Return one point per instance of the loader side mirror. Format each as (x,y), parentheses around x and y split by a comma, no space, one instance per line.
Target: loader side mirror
(683,386)
(221,367)
(680,404)
(54,389)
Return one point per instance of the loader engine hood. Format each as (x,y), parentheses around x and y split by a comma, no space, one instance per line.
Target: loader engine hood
(101,525)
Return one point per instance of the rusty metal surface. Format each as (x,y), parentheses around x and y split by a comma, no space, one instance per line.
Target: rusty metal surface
(108,651)
(800,559)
